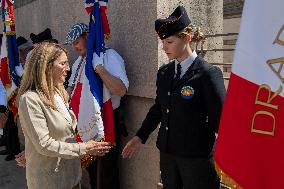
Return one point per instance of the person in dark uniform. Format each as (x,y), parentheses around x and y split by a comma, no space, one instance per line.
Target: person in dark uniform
(190,94)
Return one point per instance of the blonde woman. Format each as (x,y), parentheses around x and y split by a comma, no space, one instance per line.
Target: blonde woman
(51,152)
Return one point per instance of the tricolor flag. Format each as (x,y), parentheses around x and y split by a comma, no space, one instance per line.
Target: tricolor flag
(102,8)
(91,100)
(249,150)
(9,54)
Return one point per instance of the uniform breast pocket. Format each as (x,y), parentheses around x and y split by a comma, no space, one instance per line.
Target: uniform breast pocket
(187,99)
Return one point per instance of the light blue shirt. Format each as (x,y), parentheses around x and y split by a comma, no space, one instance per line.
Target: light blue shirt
(186,63)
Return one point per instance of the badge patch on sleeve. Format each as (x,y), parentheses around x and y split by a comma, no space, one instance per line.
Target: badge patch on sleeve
(187,92)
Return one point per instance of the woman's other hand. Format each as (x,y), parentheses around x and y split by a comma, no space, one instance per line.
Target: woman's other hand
(21,159)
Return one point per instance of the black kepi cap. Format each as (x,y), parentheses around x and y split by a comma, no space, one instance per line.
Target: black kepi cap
(176,22)
(42,36)
(21,40)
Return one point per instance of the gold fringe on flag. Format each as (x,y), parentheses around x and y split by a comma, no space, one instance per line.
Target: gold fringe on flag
(8,22)
(10,33)
(226,180)
(86,160)
(107,36)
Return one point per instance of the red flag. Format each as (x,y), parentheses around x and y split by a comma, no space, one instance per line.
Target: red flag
(251,136)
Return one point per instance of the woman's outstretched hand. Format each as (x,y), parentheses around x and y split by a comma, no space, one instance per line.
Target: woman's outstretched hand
(98,148)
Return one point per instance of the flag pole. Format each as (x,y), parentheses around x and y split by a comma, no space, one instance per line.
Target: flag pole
(98,172)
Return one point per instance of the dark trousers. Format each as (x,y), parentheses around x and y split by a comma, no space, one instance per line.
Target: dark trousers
(188,173)
(108,169)
(12,138)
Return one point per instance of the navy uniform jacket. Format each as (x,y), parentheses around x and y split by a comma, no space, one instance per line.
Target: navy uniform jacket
(189,110)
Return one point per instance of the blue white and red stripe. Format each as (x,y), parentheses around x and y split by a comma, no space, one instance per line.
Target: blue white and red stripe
(94,113)
(9,54)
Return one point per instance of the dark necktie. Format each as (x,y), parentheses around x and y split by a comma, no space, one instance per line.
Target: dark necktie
(178,72)
(177,78)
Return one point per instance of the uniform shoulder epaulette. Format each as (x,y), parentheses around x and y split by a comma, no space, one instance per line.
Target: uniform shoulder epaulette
(207,67)
(204,65)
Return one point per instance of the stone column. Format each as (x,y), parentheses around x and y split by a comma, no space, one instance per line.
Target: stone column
(133,34)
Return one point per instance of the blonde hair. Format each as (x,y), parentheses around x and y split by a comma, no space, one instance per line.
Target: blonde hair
(195,32)
(38,74)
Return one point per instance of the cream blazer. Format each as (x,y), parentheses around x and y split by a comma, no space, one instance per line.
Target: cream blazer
(52,154)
